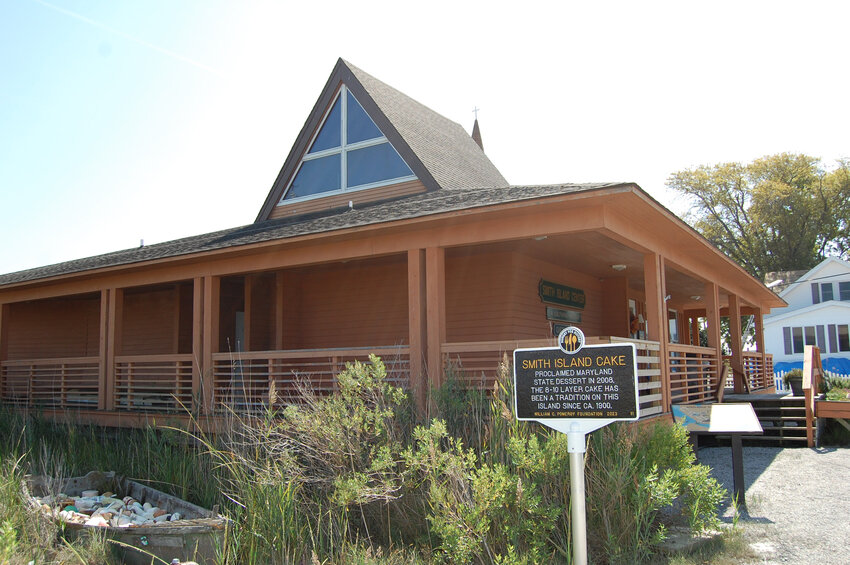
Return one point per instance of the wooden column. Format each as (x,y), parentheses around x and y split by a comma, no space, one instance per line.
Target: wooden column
(212,293)
(656,318)
(758,337)
(197,338)
(279,286)
(102,349)
(712,319)
(735,344)
(435,290)
(4,343)
(248,292)
(114,333)
(417,326)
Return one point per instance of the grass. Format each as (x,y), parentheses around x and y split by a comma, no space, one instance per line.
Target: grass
(355,478)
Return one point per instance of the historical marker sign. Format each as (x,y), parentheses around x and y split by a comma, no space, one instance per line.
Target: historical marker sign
(596,381)
(575,389)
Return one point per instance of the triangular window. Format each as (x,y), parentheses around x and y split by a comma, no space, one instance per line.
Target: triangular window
(349,152)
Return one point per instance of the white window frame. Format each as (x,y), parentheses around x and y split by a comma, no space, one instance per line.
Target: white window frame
(342,150)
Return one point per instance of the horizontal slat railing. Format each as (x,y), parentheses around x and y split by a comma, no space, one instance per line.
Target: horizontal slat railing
(650,397)
(243,381)
(153,383)
(476,364)
(693,373)
(70,382)
(758,370)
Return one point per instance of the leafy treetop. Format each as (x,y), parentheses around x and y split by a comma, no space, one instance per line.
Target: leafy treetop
(780,212)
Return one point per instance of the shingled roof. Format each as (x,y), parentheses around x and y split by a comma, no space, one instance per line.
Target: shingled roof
(417,206)
(439,151)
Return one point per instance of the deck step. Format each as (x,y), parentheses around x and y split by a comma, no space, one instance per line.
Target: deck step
(782,417)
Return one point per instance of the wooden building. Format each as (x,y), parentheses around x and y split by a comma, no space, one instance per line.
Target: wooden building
(387,231)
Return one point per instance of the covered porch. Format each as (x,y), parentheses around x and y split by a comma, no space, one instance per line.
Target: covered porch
(237,329)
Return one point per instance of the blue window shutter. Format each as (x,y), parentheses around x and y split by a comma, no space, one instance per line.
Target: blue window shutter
(786,333)
(821,339)
(833,338)
(815,293)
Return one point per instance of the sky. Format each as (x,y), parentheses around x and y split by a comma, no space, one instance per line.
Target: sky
(123,121)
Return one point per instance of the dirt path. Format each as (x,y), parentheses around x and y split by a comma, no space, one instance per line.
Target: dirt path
(798,502)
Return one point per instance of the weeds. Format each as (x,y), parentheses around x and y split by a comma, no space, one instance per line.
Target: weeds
(353,478)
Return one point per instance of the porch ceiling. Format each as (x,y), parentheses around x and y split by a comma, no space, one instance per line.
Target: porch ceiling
(593,254)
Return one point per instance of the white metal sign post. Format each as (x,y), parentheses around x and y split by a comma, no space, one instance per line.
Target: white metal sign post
(575,389)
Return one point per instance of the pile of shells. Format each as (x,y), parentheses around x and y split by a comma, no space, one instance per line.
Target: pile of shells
(95,509)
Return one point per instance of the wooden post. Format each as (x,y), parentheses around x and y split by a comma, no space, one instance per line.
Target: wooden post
(279,287)
(758,330)
(248,293)
(212,293)
(4,345)
(417,327)
(435,290)
(656,313)
(712,320)
(102,350)
(812,374)
(197,340)
(115,331)
(738,376)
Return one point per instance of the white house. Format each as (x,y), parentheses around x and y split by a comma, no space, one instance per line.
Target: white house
(818,313)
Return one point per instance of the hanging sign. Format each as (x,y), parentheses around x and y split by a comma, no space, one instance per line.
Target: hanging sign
(554,293)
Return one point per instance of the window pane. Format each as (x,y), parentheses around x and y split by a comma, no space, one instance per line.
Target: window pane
(810,335)
(328,137)
(844,290)
(360,126)
(797,334)
(315,176)
(374,164)
(843,338)
(826,291)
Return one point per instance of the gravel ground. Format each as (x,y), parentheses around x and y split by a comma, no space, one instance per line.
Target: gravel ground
(798,502)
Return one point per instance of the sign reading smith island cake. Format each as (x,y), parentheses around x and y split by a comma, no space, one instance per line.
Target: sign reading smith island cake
(575,380)
(575,389)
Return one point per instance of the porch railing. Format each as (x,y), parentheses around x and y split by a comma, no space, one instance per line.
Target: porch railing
(153,383)
(757,369)
(69,382)
(476,365)
(693,373)
(243,381)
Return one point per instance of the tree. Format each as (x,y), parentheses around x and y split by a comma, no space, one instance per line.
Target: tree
(780,212)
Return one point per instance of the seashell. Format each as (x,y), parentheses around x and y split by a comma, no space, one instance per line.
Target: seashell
(159,512)
(161,518)
(89,493)
(108,494)
(137,508)
(128,500)
(174,517)
(147,506)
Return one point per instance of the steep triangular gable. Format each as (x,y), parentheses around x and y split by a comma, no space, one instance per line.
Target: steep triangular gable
(437,152)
